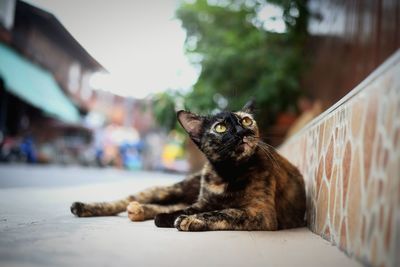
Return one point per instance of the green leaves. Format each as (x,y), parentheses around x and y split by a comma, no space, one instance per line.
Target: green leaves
(239,59)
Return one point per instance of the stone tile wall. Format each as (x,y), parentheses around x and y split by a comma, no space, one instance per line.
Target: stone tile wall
(350,159)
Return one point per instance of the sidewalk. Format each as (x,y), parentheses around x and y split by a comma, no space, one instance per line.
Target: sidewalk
(37,229)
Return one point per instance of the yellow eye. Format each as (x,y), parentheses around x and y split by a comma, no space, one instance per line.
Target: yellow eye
(220,128)
(246,121)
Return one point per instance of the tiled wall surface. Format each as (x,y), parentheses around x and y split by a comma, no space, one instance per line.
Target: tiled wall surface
(350,159)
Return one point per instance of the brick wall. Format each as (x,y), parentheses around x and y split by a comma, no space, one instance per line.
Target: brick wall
(350,159)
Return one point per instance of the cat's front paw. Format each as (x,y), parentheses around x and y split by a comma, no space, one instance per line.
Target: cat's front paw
(165,220)
(189,223)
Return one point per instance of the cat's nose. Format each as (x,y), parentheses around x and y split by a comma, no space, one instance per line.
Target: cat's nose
(239,130)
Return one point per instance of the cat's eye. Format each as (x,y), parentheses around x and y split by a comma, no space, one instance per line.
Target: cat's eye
(220,128)
(246,121)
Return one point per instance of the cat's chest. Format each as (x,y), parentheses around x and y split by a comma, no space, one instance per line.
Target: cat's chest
(220,195)
(217,190)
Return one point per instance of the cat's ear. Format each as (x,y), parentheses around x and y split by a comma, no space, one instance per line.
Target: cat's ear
(192,123)
(250,106)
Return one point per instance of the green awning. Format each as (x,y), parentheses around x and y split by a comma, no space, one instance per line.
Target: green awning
(35,85)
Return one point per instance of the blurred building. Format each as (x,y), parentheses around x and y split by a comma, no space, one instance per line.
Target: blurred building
(44,77)
(124,111)
(348,40)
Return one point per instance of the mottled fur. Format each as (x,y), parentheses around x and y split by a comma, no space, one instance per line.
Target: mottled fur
(245,185)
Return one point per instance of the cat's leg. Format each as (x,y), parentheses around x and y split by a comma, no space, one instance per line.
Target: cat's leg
(141,212)
(167,219)
(185,191)
(227,219)
(201,216)
(100,208)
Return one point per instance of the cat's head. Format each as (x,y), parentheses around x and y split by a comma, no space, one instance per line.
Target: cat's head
(225,136)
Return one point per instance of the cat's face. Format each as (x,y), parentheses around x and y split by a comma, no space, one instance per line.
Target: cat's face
(225,136)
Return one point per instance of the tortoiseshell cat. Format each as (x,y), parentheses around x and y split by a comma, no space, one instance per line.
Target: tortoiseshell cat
(245,185)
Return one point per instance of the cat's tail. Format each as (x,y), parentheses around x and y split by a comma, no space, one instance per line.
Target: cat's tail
(100,208)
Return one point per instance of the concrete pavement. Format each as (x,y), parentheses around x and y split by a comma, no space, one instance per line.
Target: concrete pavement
(37,229)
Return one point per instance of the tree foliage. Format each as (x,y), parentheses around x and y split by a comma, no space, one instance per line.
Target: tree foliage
(239,59)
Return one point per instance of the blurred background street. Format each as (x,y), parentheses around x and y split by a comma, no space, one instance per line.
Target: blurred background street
(98,85)
(21,176)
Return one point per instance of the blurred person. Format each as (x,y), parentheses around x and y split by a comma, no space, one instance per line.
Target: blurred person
(28,149)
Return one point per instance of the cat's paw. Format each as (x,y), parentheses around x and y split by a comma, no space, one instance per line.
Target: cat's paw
(135,211)
(77,208)
(189,223)
(165,220)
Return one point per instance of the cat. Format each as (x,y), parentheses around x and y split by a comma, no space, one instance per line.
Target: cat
(244,185)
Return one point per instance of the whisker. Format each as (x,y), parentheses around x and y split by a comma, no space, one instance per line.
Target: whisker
(228,145)
(267,153)
(266,149)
